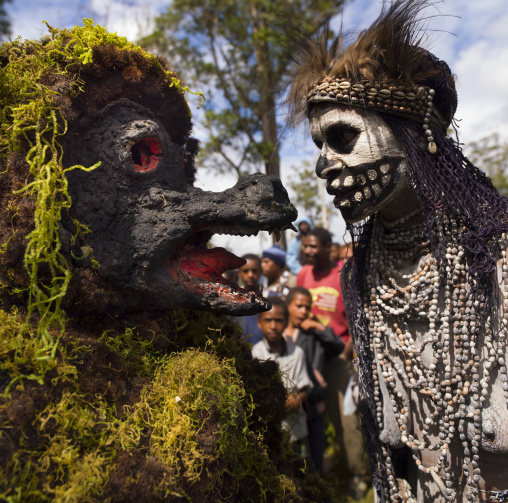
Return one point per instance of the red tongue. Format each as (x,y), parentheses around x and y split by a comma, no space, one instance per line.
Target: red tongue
(208,263)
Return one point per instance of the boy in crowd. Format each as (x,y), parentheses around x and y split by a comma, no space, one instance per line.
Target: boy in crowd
(291,361)
(275,279)
(317,342)
(249,275)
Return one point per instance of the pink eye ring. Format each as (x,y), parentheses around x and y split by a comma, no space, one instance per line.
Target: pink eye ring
(146,154)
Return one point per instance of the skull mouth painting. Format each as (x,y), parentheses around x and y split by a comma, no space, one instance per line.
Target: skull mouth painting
(364,184)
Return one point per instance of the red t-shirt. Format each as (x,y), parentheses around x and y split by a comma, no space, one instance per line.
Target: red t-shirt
(327,302)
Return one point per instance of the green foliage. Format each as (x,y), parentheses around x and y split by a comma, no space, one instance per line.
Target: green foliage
(238,50)
(491,154)
(26,351)
(30,119)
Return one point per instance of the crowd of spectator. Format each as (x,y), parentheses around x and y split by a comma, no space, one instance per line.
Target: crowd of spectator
(307,334)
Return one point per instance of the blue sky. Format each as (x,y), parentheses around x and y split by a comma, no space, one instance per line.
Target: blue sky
(470,35)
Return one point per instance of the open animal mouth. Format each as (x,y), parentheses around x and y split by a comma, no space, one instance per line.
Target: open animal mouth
(201,268)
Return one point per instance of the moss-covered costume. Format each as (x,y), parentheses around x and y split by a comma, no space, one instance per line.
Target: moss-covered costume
(156,406)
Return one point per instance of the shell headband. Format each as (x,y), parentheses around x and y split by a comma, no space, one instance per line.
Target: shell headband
(410,101)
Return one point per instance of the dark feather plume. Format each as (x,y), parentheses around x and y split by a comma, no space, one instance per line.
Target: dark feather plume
(392,48)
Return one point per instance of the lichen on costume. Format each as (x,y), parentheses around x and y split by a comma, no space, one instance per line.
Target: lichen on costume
(110,389)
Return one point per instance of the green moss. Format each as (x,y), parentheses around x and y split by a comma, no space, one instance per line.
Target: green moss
(193,416)
(17,355)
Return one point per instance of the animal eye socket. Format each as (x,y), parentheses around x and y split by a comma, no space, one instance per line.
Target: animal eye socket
(146,154)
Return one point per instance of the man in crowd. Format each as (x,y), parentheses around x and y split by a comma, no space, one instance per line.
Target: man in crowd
(275,279)
(294,254)
(317,342)
(340,253)
(291,361)
(321,277)
(336,252)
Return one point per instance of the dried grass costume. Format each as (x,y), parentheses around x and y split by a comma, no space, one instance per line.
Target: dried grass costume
(385,69)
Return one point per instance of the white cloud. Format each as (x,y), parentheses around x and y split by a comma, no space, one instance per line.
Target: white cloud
(132,19)
(129,18)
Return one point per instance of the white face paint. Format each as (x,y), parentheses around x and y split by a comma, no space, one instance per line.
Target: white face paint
(361,160)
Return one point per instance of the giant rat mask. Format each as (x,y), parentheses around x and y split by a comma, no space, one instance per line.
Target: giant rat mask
(150,226)
(125,109)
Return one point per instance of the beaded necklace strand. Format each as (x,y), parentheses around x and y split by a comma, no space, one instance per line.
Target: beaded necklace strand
(455,384)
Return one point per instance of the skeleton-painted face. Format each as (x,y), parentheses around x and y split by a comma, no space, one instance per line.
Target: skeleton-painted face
(361,160)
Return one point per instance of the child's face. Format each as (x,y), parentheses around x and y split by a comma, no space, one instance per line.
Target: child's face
(299,309)
(270,268)
(272,324)
(250,273)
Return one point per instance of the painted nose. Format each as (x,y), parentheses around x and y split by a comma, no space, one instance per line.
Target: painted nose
(325,167)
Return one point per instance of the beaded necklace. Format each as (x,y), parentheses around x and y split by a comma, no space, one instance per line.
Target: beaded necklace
(455,384)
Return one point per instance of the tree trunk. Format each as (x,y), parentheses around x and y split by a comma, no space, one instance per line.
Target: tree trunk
(267,102)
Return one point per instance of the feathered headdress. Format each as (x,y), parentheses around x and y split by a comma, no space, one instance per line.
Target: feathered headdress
(385,69)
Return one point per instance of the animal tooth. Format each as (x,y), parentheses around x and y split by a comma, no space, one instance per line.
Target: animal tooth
(367,193)
(377,189)
(361,179)
(277,235)
(385,179)
(372,174)
(348,181)
(358,196)
(385,168)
